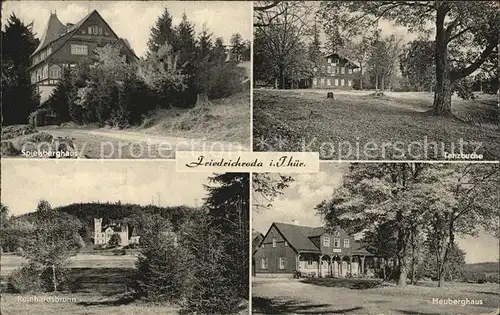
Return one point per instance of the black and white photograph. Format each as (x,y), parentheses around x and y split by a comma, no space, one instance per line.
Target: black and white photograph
(370,238)
(120,238)
(116,79)
(377,80)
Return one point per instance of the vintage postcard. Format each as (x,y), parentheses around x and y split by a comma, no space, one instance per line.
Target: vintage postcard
(369,238)
(377,80)
(135,79)
(122,238)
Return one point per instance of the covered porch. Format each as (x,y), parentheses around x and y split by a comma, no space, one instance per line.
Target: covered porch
(337,265)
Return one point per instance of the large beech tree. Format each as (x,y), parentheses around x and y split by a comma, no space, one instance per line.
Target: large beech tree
(471,28)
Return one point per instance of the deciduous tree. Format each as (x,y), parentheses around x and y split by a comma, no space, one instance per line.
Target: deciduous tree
(471,27)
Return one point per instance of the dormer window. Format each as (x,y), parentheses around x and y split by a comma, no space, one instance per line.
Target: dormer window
(336,242)
(337,233)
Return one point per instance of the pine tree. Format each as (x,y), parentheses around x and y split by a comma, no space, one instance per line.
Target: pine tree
(19,97)
(162,32)
(237,47)
(186,48)
(314,49)
(205,45)
(228,205)
(162,268)
(62,97)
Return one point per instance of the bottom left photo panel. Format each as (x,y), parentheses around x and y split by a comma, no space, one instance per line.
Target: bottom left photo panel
(115,237)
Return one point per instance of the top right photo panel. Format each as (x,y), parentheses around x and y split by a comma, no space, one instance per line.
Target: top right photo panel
(377,80)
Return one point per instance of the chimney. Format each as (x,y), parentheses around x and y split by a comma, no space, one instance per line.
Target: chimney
(295,222)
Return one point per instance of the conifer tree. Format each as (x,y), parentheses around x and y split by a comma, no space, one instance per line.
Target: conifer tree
(162,32)
(19,97)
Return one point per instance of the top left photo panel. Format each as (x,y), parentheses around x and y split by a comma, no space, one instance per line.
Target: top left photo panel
(125,79)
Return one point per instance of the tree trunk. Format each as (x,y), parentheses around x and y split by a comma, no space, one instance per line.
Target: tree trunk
(382,83)
(202,100)
(54,278)
(281,77)
(360,75)
(401,252)
(443,91)
(376,82)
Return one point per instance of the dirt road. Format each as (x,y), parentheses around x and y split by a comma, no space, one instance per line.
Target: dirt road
(119,144)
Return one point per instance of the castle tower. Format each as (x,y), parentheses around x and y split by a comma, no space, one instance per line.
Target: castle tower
(97,230)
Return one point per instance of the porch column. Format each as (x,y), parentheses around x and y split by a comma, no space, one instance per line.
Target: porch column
(331,266)
(350,264)
(320,265)
(341,266)
(362,266)
(297,262)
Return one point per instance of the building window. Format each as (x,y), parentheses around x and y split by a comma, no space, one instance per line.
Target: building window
(95,29)
(328,82)
(337,233)
(286,243)
(83,31)
(315,81)
(100,30)
(336,82)
(329,60)
(322,81)
(346,243)
(349,82)
(342,82)
(274,242)
(79,49)
(90,30)
(282,263)
(263,263)
(342,70)
(329,69)
(349,70)
(336,242)
(326,241)
(309,262)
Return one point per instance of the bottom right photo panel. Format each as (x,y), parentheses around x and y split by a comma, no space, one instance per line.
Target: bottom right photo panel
(377,238)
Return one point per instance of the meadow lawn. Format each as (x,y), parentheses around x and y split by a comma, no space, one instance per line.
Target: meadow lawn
(394,126)
(358,296)
(96,285)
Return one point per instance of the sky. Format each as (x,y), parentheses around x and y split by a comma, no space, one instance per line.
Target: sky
(25,182)
(308,190)
(133,19)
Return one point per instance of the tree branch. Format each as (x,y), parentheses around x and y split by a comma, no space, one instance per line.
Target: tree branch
(456,74)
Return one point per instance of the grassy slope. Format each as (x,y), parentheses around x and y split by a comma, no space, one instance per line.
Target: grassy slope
(299,117)
(227,120)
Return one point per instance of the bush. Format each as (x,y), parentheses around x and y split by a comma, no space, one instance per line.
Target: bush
(30,278)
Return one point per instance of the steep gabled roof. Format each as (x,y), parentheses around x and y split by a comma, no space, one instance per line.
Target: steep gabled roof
(355,64)
(66,33)
(53,31)
(298,236)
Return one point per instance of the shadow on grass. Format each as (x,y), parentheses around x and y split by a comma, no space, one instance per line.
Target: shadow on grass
(485,292)
(269,306)
(416,313)
(116,301)
(106,281)
(355,284)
